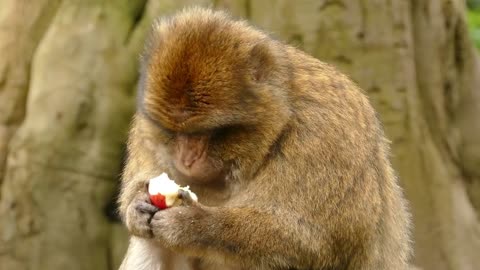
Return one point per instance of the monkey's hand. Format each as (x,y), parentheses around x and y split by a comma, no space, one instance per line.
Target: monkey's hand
(177,227)
(138,216)
(186,198)
(205,232)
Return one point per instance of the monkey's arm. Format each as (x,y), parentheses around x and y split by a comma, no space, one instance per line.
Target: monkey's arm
(244,234)
(141,165)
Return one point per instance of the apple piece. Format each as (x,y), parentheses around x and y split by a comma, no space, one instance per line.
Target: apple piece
(164,192)
(159,201)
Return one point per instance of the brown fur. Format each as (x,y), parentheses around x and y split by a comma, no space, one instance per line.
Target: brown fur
(307,181)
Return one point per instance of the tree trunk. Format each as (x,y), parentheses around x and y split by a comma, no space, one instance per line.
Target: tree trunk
(76,64)
(64,160)
(21,28)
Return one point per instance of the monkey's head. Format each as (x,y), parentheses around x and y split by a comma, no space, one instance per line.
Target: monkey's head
(215,89)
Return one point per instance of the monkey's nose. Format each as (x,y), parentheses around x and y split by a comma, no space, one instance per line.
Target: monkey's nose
(188,161)
(190,149)
(185,167)
(189,157)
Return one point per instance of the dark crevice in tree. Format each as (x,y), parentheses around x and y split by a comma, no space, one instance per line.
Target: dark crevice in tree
(248,9)
(296,39)
(331,3)
(448,101)
(460,32)
(111,208)
(343,59)
(363,25)
(3,79)
(137,19)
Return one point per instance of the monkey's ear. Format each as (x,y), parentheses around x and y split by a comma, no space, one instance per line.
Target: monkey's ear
(262,62)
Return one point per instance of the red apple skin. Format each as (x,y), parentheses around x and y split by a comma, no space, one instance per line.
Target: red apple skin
(159,201)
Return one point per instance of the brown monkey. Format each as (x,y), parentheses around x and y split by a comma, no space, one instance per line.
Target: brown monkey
(286,155)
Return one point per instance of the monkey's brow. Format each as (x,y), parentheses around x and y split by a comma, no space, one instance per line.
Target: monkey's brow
(155,122)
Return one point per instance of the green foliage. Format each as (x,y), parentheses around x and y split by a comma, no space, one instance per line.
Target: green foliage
(473,17)
(473,4)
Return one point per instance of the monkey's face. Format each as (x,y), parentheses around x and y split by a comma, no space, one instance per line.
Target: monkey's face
(215,96)
(202,119)
(192,156)
(201,157)
(205,129)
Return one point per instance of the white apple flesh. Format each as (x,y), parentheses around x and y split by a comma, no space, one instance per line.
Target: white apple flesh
(164,192)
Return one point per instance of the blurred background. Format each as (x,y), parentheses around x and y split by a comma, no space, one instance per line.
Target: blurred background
(68,71)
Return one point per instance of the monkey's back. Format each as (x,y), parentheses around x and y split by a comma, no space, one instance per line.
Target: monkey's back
(345,155)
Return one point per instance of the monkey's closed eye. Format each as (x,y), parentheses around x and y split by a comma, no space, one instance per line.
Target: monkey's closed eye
(165,131)
(225,131)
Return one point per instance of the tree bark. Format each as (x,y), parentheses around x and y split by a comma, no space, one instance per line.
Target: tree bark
(21,27)
(64,160)
(448,90)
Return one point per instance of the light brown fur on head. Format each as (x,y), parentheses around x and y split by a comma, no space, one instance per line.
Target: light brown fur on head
(286,154)
(189,82)
(190,88)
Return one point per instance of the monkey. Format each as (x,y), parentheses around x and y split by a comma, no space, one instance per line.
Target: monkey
(286,154)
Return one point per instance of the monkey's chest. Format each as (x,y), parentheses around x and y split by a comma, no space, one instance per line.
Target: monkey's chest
(212,196)
(203,265)
(183,263)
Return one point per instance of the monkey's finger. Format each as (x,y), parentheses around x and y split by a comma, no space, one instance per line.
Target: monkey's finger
(143,231)
(145,207)
(185,197)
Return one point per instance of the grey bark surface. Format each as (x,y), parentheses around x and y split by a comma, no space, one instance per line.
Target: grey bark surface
(22,25)
(64,159)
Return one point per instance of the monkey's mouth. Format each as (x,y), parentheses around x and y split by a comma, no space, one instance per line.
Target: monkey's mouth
(205,173)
